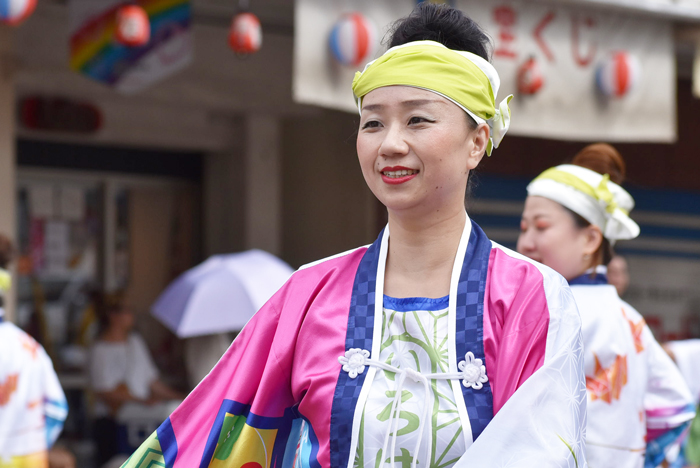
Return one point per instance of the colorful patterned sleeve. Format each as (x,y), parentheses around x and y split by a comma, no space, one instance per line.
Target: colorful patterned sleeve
(205,428)
(668,403)
(267,402)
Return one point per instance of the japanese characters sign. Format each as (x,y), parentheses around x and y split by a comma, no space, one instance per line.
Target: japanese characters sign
(577,74)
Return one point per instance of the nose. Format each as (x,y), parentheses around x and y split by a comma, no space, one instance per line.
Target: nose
(394,143)
(525,243)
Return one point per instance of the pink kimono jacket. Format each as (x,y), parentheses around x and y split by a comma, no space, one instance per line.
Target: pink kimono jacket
(280,398)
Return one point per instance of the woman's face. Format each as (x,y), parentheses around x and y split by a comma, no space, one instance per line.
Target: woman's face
(549,235)
(122,319)
(416,149)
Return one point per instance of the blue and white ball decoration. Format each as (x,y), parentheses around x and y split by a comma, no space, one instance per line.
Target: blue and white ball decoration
(13,12)
(353,39)
(618,74)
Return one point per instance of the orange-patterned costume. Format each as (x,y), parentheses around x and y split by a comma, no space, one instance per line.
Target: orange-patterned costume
(32,404)
(637,400)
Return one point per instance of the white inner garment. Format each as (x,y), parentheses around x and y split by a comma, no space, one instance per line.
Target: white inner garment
(415,341)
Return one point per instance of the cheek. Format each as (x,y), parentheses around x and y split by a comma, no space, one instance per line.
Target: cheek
(365,153)
(550,244)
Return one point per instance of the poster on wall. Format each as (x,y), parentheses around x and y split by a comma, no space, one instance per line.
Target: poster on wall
(576,73)
(97,52)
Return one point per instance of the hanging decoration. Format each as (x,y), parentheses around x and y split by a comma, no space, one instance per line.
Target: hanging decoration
(13,12)
(109,42)
(133,26)
(530,78)
(353,39)
(245,35)
(618,74)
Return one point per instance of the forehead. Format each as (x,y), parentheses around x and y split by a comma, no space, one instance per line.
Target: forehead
(541,206)
(404,96)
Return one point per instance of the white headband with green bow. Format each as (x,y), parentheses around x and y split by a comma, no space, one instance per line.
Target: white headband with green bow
(590,195)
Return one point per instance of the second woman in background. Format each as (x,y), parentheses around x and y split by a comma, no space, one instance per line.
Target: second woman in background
(638,402)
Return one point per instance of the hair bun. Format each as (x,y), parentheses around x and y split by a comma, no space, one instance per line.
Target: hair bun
(444,24)
(603,159)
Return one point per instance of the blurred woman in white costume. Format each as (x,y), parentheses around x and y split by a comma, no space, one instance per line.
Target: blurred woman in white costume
(638,403)
(32,404)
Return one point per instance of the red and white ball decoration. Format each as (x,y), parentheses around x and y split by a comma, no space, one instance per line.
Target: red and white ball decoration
(618,74)
(530,77)
(245,36)
(133,26)
(353,39)
(13,12)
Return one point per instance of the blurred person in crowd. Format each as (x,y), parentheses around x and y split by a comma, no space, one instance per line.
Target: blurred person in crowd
(686,355)
(691,450)
(618,274)
(123,375)
(32,404)
(405,351)
(638,401)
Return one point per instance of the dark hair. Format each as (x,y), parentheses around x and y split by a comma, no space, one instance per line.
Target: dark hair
(7,251)
(603,159)
(443,24)
(446,25)
(106,304)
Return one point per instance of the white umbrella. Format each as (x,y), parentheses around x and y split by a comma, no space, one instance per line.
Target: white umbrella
(220,294)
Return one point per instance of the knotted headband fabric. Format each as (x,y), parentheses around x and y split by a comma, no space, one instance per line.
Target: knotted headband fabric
(590,195)
(462,77)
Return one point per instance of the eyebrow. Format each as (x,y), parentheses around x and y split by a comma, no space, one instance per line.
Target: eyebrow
(411,103)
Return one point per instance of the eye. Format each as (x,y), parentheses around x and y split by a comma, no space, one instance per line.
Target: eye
(541,226)
(370,124)
(523,226)
(418,120)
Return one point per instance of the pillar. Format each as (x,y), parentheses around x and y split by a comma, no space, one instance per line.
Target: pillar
(263,183)
(8,173)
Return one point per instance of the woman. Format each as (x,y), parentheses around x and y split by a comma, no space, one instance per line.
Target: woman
(637,399)
(123,377)
(432,347)
(32,404)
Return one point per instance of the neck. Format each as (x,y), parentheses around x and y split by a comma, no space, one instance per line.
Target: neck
(115,335)
(422,253)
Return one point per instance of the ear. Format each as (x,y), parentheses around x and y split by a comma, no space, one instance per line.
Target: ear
(479,139)
(593,238)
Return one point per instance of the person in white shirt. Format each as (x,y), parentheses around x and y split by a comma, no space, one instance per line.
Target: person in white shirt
(123,376)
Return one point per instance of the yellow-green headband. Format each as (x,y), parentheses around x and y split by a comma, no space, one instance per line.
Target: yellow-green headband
(5,281)
(462,77)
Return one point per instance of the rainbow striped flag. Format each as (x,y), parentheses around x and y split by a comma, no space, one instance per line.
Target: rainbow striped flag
(95,53)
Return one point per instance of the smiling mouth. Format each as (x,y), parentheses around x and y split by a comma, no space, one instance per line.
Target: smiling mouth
(399,174)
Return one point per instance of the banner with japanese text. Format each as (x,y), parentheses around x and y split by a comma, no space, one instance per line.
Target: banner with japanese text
(558,61)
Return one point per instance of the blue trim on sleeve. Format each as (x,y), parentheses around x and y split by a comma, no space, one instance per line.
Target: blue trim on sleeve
(168,443)
(415,304)
(656,449)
